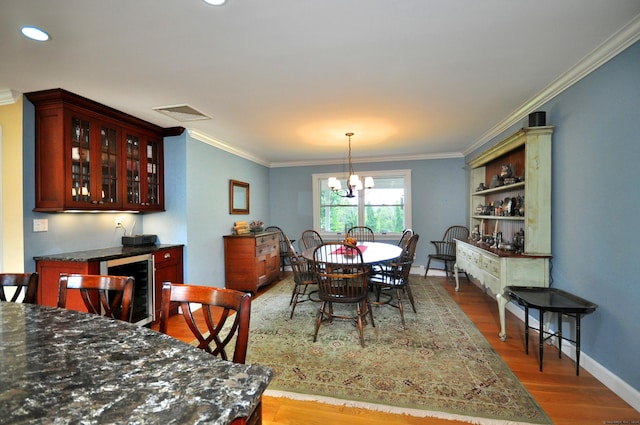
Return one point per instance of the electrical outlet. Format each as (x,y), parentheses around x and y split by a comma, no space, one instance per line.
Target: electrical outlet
(40,225)
(118,222)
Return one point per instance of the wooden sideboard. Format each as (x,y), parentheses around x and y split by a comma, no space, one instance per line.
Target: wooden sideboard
(251,260)
(167,261)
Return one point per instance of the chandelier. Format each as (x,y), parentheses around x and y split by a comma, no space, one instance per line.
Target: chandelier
(353,181)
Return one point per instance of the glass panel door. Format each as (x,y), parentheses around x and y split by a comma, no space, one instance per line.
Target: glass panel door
(80,160)
(109,161)
(133,170)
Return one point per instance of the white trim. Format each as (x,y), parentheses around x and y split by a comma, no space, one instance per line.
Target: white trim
(8,96)
(372,159)
(405,173)
(202,137)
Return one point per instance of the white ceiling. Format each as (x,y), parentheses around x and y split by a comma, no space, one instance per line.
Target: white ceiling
(283,80)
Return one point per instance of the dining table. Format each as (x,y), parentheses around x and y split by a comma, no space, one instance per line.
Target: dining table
(63,366)
(372,252)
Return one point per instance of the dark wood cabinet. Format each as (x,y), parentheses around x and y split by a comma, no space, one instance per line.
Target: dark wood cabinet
(251,260)
(168,268)
(49,276)
(92,157)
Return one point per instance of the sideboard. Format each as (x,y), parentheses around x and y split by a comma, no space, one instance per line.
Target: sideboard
(492,214)
(251,260)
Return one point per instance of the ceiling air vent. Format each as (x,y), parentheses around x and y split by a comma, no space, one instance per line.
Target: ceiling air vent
(182,113)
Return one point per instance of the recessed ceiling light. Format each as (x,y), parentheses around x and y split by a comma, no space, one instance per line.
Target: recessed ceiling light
(216,2)
(35,33)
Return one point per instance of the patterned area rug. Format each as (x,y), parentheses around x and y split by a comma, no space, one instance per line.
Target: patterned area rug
(441,366)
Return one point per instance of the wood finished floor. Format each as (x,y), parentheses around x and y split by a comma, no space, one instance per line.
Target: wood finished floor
(566,398)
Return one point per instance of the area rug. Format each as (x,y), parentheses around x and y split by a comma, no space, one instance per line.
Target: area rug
(440,366)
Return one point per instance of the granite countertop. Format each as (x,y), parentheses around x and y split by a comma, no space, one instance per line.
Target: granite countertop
(104,254)
(63,366)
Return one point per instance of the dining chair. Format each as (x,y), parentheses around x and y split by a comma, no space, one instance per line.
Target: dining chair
(446,248)
(226,313)
(22,284)
(311,239)
(284,254)
(343,278)
(303,277)
(396,277)
(361,233)
(104,295)
(406,235)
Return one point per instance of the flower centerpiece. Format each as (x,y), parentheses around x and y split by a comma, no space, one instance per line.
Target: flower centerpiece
(256,226)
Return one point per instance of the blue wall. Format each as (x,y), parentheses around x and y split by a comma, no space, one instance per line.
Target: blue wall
(595,207)
(437,193)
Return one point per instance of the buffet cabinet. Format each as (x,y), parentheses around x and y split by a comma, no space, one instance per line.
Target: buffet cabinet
(251,260)
(167,265)
(517,208)
(92,157)
(495,269)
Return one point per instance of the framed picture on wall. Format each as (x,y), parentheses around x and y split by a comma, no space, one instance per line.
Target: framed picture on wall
(238,197)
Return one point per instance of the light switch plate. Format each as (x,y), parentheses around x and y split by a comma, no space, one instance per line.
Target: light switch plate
(40,225)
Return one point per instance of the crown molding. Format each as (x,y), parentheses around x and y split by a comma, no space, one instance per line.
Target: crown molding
(372,159)
(202,137)
(8,96)
(615,44)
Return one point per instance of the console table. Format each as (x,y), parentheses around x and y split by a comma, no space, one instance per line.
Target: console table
(556,301)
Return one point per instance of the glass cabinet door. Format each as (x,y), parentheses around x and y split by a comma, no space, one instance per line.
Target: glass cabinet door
(133,170)
(80,160)
(153,172)
(143,172)
(109,164)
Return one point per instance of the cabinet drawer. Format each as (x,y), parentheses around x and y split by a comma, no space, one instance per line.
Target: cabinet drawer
(491,265)
(265,249)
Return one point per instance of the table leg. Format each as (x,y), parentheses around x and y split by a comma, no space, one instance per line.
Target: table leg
(526,330)
(578,344)
(455,270)
(559,335)
(541,337)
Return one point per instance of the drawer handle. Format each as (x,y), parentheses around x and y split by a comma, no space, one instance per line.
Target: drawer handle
(167,255)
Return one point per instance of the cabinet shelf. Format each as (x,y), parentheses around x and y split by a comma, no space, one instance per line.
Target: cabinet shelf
(499,189)
(498,217)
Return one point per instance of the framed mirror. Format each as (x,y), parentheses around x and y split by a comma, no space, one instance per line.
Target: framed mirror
(238,197)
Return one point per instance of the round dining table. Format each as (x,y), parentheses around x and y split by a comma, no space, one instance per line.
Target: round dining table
(372,252)
(64,366)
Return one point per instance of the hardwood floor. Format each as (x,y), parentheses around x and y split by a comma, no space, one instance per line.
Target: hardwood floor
(566,398)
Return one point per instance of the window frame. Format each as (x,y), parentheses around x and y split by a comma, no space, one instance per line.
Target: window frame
(316,179)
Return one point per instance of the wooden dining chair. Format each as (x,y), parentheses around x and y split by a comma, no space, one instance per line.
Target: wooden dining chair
(219,305)
(361,233)
(396,277)
(104,295)
(23,285)
(406,235)
(284,241)
(311,239)
(343,278)
(446,248)
(303,277)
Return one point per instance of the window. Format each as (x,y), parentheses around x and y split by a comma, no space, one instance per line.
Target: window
(385,208)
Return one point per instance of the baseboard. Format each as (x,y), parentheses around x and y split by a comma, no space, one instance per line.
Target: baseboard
(602,374)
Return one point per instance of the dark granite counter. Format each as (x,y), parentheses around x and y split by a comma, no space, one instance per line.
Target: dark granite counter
(62,366)
(104,254)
